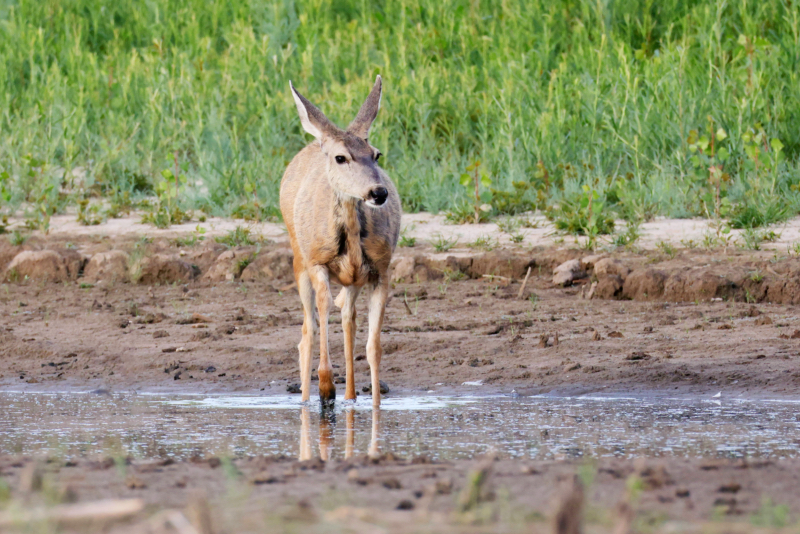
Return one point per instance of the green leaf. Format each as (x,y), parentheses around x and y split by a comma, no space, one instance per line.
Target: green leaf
(776,144)
(721,135)
(723,154)
(167,174)
(742,40)
(465,180)
(486,181)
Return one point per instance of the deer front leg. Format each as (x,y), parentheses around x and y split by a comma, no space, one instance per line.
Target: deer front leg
(306,291)
(377,307)
(320,279)
(349,296)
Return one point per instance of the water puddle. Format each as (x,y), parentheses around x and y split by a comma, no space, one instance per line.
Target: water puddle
(438,427)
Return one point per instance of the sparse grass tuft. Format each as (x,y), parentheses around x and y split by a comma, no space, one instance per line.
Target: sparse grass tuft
(238,237)
(484,242)
(441,243)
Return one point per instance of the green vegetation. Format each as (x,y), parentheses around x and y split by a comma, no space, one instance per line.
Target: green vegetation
(238,237)
(441,243)
(631,109)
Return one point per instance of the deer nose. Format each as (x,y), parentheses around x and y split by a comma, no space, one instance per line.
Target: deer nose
(378,195)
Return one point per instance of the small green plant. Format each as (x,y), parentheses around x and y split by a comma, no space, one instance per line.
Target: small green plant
(197,236)
(770,515)
(406,240)
(484,242)
(793,249)
(238,237)
(508,225)
(90,214)
(666,248)
(719,239)
(709,156)
(689,243)
(17,238)
(480,209)
(629,237)
(511,226)
(587,214)
(441,243)
(453,276)
(752,238)
(166,210)
(755,276)
(764,202)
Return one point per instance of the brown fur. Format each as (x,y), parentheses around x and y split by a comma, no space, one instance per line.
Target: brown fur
(336,234)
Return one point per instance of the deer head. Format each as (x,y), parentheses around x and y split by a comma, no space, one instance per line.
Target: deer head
(352,162)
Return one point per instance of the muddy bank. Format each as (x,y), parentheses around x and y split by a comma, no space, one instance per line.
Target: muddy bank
(438,335)
(415,494)
(687,275)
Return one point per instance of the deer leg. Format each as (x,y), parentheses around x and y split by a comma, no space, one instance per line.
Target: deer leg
(305,439)
(320,280)
(374,449)
(351,434)
(306,291)
(377,307)
(350,294)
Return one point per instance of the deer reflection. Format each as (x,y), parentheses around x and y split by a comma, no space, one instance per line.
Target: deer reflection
(327,425)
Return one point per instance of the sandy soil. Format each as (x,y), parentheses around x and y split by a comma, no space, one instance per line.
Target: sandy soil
(164,337)
(204,336)
(420,226)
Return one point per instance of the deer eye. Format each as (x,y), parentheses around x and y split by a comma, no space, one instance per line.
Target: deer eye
(341,159)
(378,156)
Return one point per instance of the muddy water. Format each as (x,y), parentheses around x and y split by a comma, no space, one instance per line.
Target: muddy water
(71,425)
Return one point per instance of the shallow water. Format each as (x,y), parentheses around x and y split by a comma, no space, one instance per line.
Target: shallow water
(439,427)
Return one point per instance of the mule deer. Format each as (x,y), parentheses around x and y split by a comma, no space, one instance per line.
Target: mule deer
(342,213)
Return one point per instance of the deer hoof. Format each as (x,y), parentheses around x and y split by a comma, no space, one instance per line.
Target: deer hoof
(327,391)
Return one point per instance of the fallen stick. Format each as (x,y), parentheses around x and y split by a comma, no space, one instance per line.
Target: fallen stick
(97,511)
(524,283)
(408,308)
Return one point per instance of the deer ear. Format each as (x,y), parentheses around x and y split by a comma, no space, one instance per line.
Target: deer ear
(313,120)
(369,110)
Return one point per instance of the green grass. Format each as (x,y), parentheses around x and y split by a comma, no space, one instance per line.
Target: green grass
(102,100)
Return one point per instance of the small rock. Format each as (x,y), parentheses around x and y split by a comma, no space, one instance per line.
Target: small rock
(293,388)
(134,482)
(636,356)
(610,266)
(124,323)
(160,333)
(763,320)
(404,268)
(733,487)
(588,262)
(384,388)
(391,483)
(567,272)
(682,493)
(405,504)
(339,380)
(596,336)
(211,369)
(615,334)
(111,266)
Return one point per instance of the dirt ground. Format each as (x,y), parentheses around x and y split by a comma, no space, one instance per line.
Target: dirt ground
(447,324)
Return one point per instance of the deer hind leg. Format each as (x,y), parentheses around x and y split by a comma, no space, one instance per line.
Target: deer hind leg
(320,279)
(347,302)
(377,308)
(306,345)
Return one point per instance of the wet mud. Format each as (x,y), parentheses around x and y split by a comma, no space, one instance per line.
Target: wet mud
(123,321)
